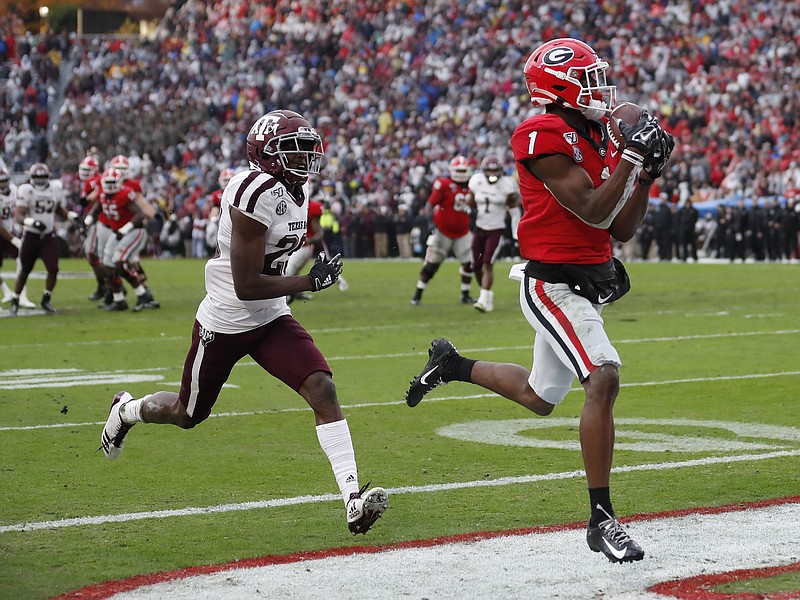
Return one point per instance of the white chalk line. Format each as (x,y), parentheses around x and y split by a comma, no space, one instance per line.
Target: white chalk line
(427,400)
(431,488)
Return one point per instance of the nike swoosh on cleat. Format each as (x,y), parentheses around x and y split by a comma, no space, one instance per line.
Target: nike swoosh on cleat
(603,299)
(618,553)
(424,379)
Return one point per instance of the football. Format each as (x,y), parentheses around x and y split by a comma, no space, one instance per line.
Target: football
(625,111)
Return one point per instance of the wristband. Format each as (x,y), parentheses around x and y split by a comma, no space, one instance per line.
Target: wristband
(16,242)
(127,228)
(633,157)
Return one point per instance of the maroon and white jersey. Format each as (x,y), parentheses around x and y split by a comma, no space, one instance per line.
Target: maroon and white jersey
(548,232)
(491,200)
(8,204)
(116,208)
(41,203)
(261,197)
(451,211)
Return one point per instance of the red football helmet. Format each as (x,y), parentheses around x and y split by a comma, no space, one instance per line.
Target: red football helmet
(568,72)
(88,168)
(460,169)
(224,177)
(120,163)
(40,175)
(111,181)
(492,168)
(284,144)
(5,182)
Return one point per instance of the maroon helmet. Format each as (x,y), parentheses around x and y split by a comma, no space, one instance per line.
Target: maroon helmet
(40,175)
(284,144)
(492,168)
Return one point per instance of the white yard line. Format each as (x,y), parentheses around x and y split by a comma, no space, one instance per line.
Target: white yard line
(440,487)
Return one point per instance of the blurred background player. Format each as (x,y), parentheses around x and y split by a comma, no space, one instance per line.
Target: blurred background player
(312,246)
(450,208)
(37,204)
(134,273)
(9,242)
(493,193)
(263,219)
(89,175)
(121,238)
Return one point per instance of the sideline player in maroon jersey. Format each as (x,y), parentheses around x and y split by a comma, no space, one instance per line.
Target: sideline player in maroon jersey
(573,204)
(38,202)
(262,221)
(450,208)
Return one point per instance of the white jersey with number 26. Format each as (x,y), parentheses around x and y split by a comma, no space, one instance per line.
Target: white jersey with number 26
(261,197)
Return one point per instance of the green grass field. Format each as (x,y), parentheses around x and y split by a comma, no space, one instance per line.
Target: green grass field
(699,343)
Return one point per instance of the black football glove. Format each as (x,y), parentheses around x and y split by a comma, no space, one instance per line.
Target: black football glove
(324,272)
(644,136)
(39,225)
(655,162)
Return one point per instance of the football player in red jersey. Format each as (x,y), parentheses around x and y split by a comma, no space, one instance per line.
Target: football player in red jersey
(262,221)
(312,246)
(573,205)
(89,175)
(449,205)
(121,238)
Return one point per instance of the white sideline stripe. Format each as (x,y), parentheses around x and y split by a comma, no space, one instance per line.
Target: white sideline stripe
(406,326)
(427,400)
(438,487)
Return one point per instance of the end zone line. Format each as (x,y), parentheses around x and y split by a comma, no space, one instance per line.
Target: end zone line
(438,487)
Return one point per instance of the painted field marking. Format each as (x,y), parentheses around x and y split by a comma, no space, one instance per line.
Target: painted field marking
(402,402)
(437,487)
(687,552)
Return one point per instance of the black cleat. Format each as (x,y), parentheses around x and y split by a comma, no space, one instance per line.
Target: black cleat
(436,372)
(146,300)
(611,539)
(467,299)
(115,306)
(48,308)
(13,308)
(99,293)
(416,301)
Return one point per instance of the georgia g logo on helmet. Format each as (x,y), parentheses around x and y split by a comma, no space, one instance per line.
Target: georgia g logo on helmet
(558,56)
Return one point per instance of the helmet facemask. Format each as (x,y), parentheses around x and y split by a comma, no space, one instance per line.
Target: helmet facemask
(299,154)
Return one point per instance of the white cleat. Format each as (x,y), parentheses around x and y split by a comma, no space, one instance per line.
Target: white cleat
(24,302)
(112,440)
(483,306)
(363,509)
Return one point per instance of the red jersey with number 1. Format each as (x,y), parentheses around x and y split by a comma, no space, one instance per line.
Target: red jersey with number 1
(549,232)
(116,208)
(451,211)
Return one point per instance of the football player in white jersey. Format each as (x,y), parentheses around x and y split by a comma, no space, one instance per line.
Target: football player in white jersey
(493,193)
(10,241)
(263,216)
(37,204)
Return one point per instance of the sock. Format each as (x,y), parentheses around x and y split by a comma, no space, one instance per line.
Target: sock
(601,497)
(140,290)
(335,440)
(46,294)
(118,296)
(461,369)
(5,288)
(465,289)
(131,411)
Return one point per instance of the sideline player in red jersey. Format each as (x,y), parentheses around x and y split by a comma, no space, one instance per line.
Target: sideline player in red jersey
(121,238)
(262,221)
(312,246)
(89,175)
(449,205)
(573,205)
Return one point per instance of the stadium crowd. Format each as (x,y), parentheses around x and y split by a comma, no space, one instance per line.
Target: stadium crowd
(397,88)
